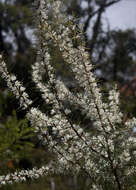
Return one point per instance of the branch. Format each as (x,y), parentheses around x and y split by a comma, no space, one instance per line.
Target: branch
(99,11)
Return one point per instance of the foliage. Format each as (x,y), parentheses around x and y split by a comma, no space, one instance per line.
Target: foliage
(15,138)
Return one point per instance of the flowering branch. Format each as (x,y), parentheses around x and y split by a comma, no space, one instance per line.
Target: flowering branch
(107,157)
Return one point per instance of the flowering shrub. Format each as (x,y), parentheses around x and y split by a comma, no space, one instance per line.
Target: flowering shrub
(106,157)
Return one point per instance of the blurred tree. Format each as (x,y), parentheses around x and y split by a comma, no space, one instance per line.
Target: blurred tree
(15,34)
(118,60)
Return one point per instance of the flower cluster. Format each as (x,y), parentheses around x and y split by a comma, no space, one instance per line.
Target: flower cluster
(15,86)
(23,175)
(106,157)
